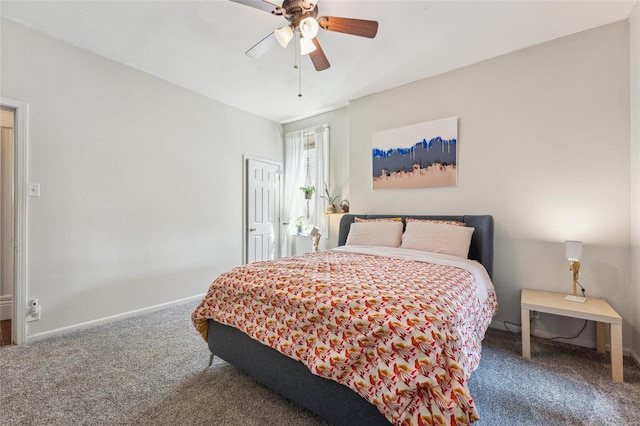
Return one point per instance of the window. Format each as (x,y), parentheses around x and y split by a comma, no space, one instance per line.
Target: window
(305,165)
(307,209)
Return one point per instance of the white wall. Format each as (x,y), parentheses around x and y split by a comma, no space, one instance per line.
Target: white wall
(338,121)
(141,181)
(635,174)
(544,148)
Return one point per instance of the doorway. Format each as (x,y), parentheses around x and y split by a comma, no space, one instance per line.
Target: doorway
(20,138)
(7,224)
(262,209)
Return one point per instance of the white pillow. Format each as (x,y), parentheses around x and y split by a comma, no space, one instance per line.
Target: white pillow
(438,238)
(387,233)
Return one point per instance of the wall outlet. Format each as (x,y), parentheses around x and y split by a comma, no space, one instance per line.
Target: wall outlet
(33,314)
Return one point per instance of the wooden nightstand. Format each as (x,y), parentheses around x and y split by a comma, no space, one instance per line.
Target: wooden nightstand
(594,309)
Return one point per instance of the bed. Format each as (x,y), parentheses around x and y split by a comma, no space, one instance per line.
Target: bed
(341,372)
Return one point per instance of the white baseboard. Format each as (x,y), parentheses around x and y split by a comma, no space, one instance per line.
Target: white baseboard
(112,318)
(6,308)
(635,357)
(500,325)
(587,343)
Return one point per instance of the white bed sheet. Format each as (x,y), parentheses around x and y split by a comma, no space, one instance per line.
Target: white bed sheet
(485,286)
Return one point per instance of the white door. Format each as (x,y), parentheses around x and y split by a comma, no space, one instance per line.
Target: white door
(262,210)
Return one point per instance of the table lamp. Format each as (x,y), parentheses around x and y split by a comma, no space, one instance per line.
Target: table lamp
(315,234)
(573,252)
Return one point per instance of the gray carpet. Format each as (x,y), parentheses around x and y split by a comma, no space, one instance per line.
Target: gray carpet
(151,370)
(561,385)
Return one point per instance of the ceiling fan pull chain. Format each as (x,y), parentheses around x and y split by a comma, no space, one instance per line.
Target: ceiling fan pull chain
(298,55)
(300,81)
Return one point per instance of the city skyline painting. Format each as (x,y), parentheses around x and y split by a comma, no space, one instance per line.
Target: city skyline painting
(416,156)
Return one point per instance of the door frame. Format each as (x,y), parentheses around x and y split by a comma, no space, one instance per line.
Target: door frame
(245,184)
(21,137)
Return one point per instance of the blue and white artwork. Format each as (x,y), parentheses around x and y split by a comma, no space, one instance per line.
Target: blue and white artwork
(417,156)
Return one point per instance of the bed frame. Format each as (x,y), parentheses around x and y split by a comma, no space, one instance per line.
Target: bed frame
(336,403)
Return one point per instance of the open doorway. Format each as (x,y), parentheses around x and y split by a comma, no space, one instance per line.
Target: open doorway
(7,224)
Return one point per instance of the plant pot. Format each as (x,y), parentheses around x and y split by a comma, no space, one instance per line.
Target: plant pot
(331,209)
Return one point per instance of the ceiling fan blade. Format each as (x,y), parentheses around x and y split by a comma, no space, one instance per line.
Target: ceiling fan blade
(259,4)
(320,61)
(359,27)
(262,46)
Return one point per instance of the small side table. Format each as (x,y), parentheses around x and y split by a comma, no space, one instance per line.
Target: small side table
(594,309)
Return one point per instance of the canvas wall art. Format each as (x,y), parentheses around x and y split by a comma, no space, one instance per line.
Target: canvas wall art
(416,156)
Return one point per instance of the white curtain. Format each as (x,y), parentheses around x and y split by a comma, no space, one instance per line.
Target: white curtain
(293,174)
(321,135)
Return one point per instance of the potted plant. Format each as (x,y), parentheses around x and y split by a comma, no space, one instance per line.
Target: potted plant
(299,220)
(331,208)
(308,191)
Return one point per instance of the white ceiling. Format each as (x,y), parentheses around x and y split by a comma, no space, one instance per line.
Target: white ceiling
(200,45)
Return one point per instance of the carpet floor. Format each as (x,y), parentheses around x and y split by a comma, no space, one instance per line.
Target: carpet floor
(152,370)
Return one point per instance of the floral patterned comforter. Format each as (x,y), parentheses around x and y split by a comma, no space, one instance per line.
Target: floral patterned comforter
(404,334)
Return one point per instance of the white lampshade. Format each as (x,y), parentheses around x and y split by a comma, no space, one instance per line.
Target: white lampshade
(308,27)
(284,35)
(573,250)
(306,46)
(314,231)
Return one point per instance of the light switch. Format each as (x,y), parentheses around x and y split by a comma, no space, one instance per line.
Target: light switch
(33,189)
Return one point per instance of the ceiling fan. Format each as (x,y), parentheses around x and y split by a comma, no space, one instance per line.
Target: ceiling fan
(302,17)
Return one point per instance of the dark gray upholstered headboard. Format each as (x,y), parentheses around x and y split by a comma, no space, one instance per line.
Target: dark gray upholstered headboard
(481,248)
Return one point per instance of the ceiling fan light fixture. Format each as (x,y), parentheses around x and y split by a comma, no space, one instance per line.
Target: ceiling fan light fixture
(306,46)
(309,27)
(284,35)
